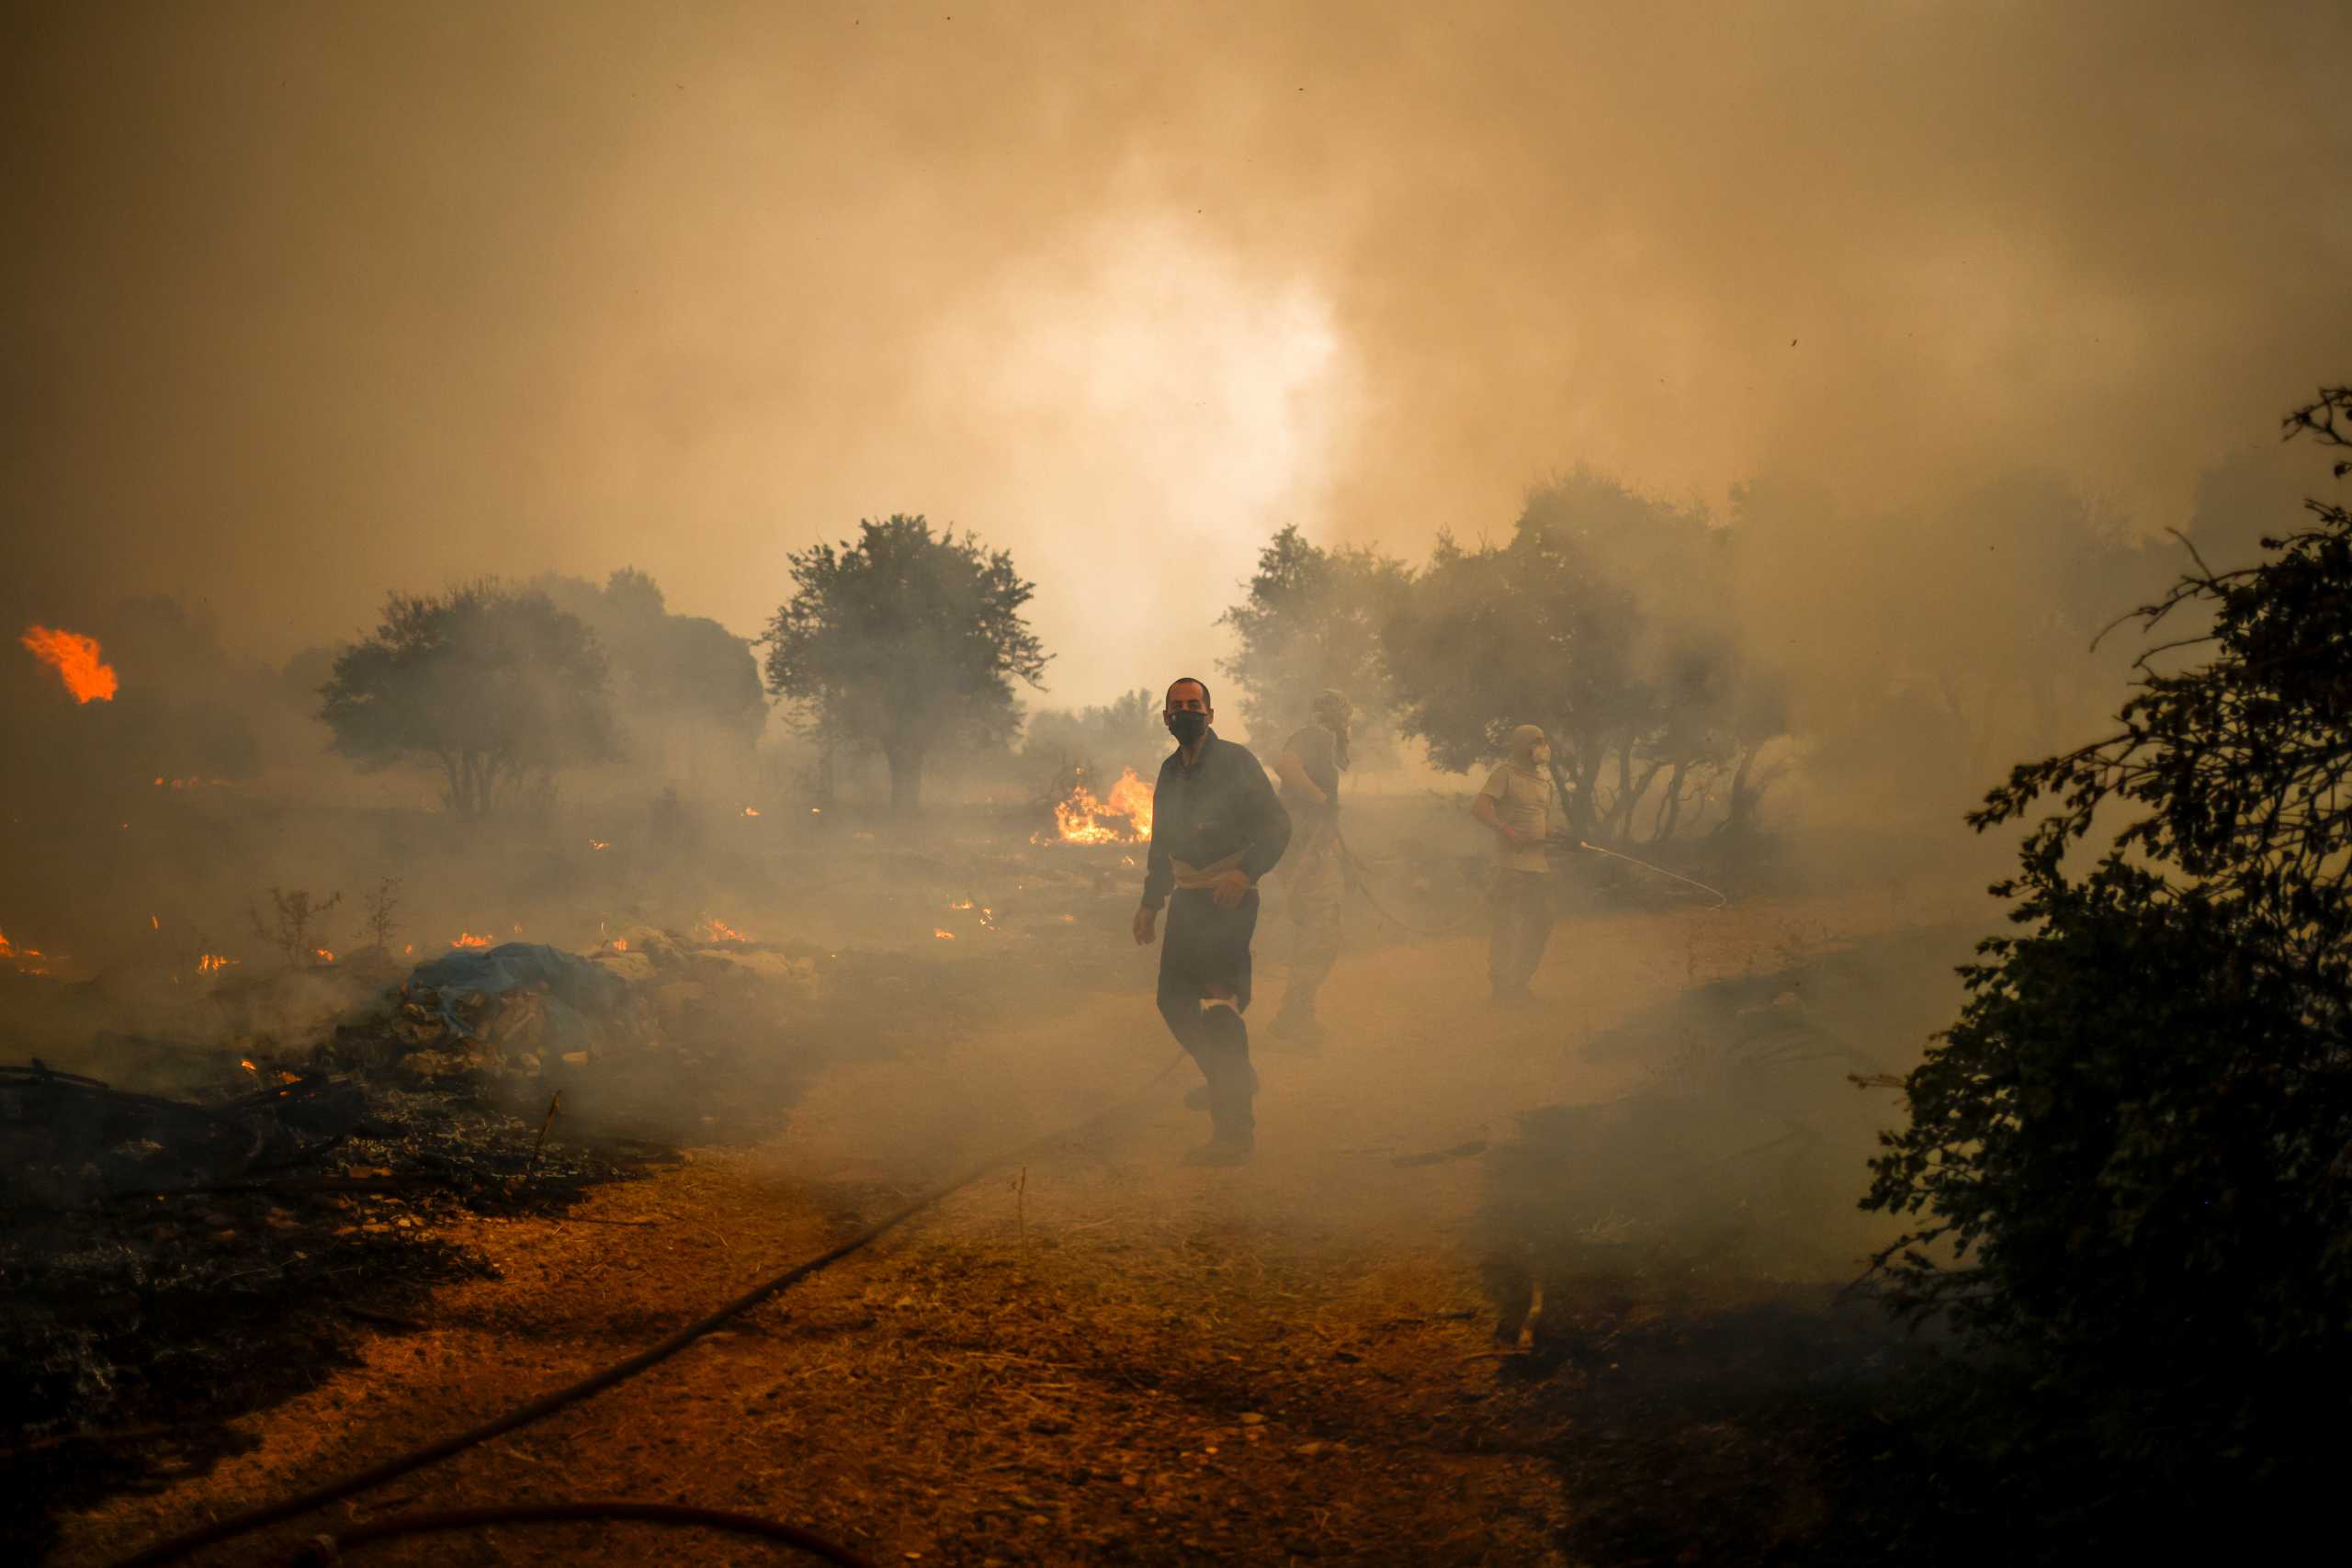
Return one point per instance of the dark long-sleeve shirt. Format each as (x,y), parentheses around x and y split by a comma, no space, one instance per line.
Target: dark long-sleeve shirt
(1221,806)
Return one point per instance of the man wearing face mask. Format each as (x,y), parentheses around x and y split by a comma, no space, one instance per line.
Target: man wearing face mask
(1309,768)
(1216,830)
(1517,804)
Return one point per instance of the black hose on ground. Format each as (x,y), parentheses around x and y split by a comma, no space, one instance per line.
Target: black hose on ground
(246,1523)
(329,1548)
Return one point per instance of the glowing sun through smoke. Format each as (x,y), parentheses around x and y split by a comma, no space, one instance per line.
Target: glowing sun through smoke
(1163,405)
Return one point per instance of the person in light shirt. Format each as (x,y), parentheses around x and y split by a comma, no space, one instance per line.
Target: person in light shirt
(1517,805)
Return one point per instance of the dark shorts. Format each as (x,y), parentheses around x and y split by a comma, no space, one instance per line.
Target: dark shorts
(1206,946)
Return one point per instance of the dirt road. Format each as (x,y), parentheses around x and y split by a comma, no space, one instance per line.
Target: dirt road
(1094,1356)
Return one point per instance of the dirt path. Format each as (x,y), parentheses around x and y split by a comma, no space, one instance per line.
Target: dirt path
(1098,1356)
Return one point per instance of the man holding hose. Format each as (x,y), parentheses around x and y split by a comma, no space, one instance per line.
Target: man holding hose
(1516,804)
(1216,828)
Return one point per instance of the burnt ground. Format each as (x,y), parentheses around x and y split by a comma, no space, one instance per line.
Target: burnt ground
(1101,1356)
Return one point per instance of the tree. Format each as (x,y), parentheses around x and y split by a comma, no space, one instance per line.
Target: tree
(497,688)
(1604,621)
(1312,619)
(666,667)
(686,691)
(1124,733)
(903,641)
(2127,1161)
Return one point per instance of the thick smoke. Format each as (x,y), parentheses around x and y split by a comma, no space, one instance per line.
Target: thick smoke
(314,303)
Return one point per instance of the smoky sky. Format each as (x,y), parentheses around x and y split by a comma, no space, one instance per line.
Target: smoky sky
(304,303)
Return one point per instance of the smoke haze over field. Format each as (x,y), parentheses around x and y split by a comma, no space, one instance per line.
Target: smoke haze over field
(308,303)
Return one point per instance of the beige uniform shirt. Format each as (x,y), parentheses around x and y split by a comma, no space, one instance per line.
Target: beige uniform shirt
(1523,802)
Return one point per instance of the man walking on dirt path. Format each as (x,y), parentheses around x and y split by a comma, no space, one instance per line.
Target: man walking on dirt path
(1517,804)
(1312,880)
(1217,828)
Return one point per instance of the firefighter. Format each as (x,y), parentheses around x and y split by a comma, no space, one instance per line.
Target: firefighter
(1216,828)
(1517,805)
(1309,767)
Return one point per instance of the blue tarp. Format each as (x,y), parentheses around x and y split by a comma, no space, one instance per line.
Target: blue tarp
(579,993)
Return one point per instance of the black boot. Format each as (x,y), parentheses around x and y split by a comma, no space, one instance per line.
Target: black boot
(1224,1059)
(1197,1097)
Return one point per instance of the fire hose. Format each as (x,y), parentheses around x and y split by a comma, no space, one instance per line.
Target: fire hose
(179,1546)
(329,1548)
(1359,878)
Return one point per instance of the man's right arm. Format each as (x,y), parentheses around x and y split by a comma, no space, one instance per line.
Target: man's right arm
(1160,870)
(1482,804)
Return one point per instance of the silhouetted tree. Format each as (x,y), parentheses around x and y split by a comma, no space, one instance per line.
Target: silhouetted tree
(1312,619)
(1604,620)
(666,669)
(1124,733)
(904,641)
(2127,1161)
(497,688)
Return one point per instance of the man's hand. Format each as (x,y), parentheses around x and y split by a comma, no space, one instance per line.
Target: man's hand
(1146,926)
(1227,891)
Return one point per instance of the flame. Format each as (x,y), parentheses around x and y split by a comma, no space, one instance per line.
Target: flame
(212,964)
(246,1063)
(1085,819)
(322,956)
(960,904)
(468,939)
(620,944)
(600,843)
(719,931)
(943,933)
(153,924)
(7,951)
(76,662)
(751,811)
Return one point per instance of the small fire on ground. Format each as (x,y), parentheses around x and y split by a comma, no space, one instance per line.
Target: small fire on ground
(716,929)
(468,939)
(1084,818)
(76,661)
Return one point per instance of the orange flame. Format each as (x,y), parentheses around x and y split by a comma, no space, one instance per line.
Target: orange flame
(76,662)
(719,931)
(600,843)
(751,811)
(943,934)
(1085,819)
(468,939)
(960,904)
(322,956)
(212,964)
(620,944)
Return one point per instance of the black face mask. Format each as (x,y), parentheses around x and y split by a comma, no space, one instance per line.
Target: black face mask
(1188,726)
